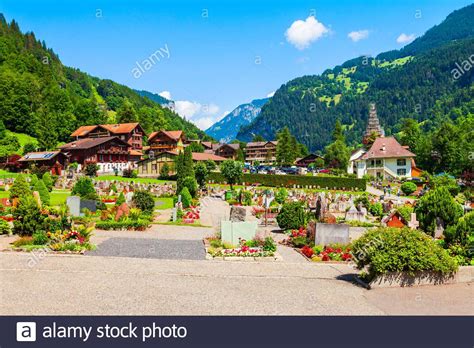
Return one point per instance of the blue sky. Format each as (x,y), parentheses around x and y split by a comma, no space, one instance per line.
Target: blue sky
(220,53)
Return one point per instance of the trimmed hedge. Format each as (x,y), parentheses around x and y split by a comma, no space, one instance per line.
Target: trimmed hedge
(137,225)
(331,182)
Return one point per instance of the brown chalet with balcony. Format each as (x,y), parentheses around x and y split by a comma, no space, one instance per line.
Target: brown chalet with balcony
(109,153)
(131,133)
(162,141)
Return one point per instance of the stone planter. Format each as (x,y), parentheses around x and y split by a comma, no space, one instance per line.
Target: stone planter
(465,274)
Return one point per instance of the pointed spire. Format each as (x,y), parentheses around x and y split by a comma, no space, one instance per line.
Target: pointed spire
(373,125)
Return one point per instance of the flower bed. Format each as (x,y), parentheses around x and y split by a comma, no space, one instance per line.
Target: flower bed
(71,241)
(243,251)
(7,218)
(251,249)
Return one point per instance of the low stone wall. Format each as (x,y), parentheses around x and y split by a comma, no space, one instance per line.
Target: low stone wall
(465,274)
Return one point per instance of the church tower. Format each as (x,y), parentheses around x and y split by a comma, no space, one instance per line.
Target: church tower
(373,126)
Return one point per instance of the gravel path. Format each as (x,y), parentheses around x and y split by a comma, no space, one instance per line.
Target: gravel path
(151,249)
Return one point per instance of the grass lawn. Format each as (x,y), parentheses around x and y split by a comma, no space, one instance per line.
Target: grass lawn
(5,174)
(140,180)
(57,197)
(162,203)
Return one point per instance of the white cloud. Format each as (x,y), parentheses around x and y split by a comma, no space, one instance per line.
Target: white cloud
(202,115)
(404,38)
(271,94)
(204,122)
(165,94)
(358,35)
(187,108)
(302,33)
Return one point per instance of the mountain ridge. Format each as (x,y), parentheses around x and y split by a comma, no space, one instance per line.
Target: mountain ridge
(309,105)
(225,130)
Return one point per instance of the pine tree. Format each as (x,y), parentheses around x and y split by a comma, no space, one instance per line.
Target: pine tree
(20,188)
(48,181)
(40,187)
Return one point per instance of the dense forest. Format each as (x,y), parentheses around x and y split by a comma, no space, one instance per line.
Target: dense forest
(41,97)
(415,83)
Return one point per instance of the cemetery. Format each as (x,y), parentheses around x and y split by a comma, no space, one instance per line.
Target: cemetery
(321,225)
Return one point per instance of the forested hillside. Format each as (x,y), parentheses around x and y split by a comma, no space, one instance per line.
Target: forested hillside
(41,97)
(416,82)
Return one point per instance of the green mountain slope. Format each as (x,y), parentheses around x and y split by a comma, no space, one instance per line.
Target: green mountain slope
(406,83)
(41,97)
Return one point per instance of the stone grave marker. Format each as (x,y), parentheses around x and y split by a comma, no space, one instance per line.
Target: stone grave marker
(331,233)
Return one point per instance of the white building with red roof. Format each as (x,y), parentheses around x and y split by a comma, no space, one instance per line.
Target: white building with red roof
(385,159)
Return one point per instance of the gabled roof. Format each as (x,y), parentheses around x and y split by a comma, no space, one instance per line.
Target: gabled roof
(175,135)
(119,128)
(387,147)
(200,156)
(39,156)
(88,143)
(196,156)
(207,144)
(232,146)
(261,143)
(83,131)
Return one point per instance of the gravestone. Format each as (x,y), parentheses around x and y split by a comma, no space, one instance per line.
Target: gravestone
(413,223)
(233,232)
(237,213)
(74,205)
(331,233)
(88,204)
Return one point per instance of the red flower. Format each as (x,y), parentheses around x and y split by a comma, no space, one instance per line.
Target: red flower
(307,251)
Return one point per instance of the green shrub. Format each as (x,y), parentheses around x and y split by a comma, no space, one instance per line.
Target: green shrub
(138,225)
(191,184)
(291,216)
(246,197)
(20,187)
(91,169)
(48,181)
(299,241)
(269,244)
(215,243)
(144,201)
(165,171)
(186,198)
(385,250)
(4,227)
(317,249)
(40,187)
(33,180)
(40,238)
(84,188)
(336,183)
(405,211)
(120,199)
(408,188)
(281,195)
(129,173)
(437,204)
(28,217)
(462,232)
(376,209)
